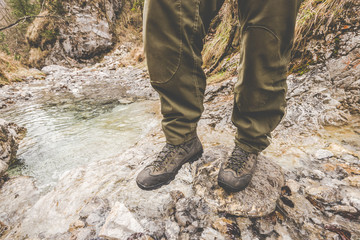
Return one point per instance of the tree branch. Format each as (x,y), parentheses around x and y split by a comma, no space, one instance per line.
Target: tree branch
(23,19)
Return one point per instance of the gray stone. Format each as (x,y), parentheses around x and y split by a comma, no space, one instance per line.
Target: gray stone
(10,136)
(211,234)
(265,226)
(120,223)
(16,196)
(3,168)
(322,153)
(172,230)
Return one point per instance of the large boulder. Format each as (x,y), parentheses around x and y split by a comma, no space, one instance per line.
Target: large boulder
(85,31)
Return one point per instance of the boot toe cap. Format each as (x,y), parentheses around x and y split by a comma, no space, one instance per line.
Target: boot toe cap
(146,181)
(230,182)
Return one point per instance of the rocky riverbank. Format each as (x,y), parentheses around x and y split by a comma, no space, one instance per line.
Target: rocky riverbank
(307,185)
(10,136)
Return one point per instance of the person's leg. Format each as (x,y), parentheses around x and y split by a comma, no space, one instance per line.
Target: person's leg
(173,37)
(267,30)
(173,34)
(259,102)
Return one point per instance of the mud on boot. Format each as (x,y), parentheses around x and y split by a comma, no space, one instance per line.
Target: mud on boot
(167,164)
(236,173)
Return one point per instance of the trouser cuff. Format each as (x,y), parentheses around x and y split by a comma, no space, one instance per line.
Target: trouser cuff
(178,141)
(248,148)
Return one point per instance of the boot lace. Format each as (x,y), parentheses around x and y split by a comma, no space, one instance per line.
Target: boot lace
(165,156)
(237,160)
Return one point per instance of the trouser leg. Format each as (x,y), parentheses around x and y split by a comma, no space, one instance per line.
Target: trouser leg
(173,39)
(259,95)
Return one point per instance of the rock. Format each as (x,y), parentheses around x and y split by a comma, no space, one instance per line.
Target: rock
(322,153)
(266,226)
(120,223)
(84,234)
(344,209)
(283,232)
(89,32)
(323,193)
(350,196)
(172,230)
(17,196)
(210,233)
(10,136)
(3,168)
(257,200)
(353,181)
(227,228)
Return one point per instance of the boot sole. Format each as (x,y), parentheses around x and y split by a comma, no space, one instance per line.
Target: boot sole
(192,159)
(231,189)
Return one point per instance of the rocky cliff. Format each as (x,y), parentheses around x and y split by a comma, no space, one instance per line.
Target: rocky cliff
(76,31)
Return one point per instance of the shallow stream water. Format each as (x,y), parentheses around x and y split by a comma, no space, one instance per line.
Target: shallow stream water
(72,122)
(64,131)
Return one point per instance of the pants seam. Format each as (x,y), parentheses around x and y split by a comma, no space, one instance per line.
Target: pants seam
(196,79)
(180,48)
(265,28)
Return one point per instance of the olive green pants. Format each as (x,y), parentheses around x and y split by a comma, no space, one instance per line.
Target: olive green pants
(173,38)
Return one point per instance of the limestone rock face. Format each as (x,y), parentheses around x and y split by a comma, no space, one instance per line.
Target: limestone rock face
(10,135)
(85,32)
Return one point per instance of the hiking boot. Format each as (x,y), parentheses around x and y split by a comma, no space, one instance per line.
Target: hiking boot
(163,170)
(236,173)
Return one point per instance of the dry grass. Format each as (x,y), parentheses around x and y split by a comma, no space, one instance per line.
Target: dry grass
(14,71)
(218,40)
(316,19)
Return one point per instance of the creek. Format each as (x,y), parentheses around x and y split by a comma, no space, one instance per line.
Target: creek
(69,129)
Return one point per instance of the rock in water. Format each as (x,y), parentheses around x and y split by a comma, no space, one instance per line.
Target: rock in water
(10,135)
(257,200)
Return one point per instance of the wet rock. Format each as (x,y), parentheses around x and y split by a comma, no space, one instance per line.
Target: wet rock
(83,234)
(94,213)
(245,227)
(10,136)
(120,224)
(16,196)
(350,196)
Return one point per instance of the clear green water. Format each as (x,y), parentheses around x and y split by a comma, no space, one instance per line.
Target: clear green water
(61,137)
